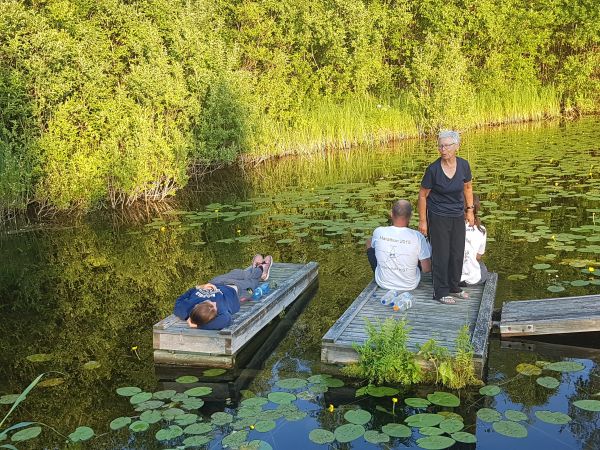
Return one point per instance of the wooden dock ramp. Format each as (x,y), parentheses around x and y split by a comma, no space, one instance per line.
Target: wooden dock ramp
(428,318)
(176,343)
(550,316)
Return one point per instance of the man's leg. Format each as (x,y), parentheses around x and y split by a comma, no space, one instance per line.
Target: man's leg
(439,235)
(244,279)
(457,252)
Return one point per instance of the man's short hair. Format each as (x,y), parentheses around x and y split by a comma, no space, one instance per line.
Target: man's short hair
(202,313)
(449,134)
(402,208)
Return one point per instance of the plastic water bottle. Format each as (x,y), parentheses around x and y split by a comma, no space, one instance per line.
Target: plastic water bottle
(261,289)
(389,298)
(404,301)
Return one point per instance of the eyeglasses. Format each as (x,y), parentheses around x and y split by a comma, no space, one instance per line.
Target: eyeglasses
(444,146)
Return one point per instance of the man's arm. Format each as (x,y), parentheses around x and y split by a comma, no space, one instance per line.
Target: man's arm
(468,193)
(422,207)
(222,320)
(425,265)
(184,304)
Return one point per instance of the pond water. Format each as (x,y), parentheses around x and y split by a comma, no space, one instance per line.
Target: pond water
(83,296)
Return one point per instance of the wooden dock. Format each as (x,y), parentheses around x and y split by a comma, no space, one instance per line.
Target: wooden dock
(428,318)
(176,343)
(550,316)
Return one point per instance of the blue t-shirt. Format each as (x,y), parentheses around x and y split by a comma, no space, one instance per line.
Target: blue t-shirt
(447,194)
(225,297)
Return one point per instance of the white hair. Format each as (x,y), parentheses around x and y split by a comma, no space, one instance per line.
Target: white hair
(449,134)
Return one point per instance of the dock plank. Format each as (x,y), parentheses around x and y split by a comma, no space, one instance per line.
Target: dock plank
(176,343)
(550,316)
(428,319)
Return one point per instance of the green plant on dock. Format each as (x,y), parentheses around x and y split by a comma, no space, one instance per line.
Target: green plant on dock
(385,357)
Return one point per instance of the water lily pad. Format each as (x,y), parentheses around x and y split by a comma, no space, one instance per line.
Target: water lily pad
(424,420)
(255,401)
(9,399)
(416,402)
(186,419)
(579,283)
(565,366)
(91,365)
(464,437)
(128,391)
(555,288)
(588,405)
(81,434)
(318,378)
(348,432)
(186,379)
(528,369)
(375,437)
(514,415)
(150,404)
(431,431)
(264,426)
(318,388)
(510,429)
(120,422)
(489,415)
(164,395)
(358,416)
(234,439)
(490,390)
(221,418)
(444,399)
(139,398)
(320,436)
(333,382)
(548,382)
(213,372)
(28,433)
(198,428)
(139,426)
(40,357)
(305,395)
(381,391)
(171,432)
(281,397)
(192,403)
(435,442)
(541,266)
(51,382)
(199,391)
(256,444)
(151,416)
(553,417)
(516,277)
(171,413)
(291,383)
(196,441)
(451,425)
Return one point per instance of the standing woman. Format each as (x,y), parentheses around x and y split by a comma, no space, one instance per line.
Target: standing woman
(445,202)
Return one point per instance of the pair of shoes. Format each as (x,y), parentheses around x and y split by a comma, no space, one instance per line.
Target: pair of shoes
(257,260)
(447,300)
(266,267)
(462,295)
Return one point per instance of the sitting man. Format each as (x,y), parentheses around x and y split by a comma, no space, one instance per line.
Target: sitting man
(396,251)
(211,306)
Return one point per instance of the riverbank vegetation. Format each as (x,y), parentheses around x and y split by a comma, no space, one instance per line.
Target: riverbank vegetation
(107,102)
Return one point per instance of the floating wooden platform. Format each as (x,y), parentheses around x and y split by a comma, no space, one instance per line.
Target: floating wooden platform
(428,318)
(176,343)
(550,316)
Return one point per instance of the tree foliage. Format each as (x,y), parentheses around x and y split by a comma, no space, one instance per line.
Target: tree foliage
(114,101)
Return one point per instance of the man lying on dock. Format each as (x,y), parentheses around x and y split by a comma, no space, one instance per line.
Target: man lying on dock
(211,306)
(395,252)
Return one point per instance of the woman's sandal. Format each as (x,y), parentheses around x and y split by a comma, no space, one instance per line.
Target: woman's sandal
(463,295)
(447,300)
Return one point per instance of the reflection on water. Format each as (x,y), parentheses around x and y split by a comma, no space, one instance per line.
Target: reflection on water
(91,291)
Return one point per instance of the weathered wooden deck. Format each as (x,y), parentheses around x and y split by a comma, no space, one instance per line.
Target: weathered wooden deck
(428,318)
(176,343)
(550,316)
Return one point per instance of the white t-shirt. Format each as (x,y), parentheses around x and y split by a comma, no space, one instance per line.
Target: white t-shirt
(398,250)
(474,244)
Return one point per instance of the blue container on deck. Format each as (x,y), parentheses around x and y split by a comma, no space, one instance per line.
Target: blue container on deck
(261,289)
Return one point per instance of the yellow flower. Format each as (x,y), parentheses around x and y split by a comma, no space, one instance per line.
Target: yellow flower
(394,400)
(134,348)
(162,228)
(331,408)
(252,427)
(591,269)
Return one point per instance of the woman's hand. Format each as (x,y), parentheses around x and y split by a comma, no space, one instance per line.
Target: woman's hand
(470,217)
(423,227)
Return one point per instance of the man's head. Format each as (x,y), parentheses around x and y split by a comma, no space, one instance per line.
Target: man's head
(401,213)
(202,313)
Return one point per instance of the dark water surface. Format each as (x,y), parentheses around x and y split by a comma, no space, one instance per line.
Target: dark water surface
(85,291)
